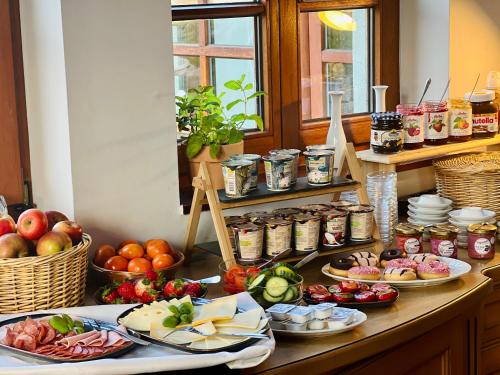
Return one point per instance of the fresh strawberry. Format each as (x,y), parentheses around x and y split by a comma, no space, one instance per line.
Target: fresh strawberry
(151,275)
(174,288)
(126,290)
(194,289)
(110,296)
(148,297)
(144,285)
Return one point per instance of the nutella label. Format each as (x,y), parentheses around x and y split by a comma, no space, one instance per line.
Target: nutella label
(485,122)
(386,137)
(413,128)
(412,246)
(482,246)
(460,122)
(436,125)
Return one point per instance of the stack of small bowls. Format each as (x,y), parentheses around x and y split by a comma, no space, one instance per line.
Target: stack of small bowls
(465,216)
(428,209)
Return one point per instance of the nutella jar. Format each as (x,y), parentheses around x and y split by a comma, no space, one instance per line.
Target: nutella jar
(409,238)
(481,241)
(361,222)
(484,114)
(435,123)
(460,124)
(413,125)
(444,240)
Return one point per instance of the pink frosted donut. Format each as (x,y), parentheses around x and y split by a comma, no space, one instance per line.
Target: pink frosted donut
(422,258)
(401,263)
(433,269)
(364,273)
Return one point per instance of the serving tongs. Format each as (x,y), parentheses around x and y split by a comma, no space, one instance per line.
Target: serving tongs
(111,327)
(256,335)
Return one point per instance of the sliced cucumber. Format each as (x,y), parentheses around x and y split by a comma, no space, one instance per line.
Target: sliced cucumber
(289,295)
(295,291)
(270,298)
(258,281)
(287,273)
(283,264)
(276,286)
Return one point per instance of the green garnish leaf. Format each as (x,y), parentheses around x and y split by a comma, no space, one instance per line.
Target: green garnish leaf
(170,322)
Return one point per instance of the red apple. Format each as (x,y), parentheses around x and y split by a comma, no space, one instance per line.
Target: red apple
(53,243)
(12,245)
(32,224)
(72,229)
(54,217)
(7,225)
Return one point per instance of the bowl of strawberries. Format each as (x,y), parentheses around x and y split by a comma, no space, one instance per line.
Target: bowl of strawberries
(151,287)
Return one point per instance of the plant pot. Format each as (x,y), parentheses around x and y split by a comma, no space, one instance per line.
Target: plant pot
(213,165)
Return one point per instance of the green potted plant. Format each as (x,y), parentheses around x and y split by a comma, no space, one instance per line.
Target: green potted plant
(213,134)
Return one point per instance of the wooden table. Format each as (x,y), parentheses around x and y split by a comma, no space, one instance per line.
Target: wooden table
(428,330)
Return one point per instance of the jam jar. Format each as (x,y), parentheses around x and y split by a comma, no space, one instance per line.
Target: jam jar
(444,240)
(460,124)
(409,238)
(413,125)
(435,123)
(484,114)
(481,241)
(386,132)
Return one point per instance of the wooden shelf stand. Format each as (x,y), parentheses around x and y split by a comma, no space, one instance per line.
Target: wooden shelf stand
(204,192)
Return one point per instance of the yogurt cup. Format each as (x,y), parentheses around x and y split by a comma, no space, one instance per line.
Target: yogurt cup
(230,221)
(361,222)
(248,239)
(320,148)
(319,167)
(278,236)
(278,172)
(295,165)
(286,213)
(306,232)
(334,225)
(254,170)
(237,174)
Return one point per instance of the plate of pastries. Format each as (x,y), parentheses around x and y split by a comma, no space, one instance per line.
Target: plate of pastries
(395,268)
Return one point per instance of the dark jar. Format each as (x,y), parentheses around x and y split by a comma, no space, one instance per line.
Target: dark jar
(484,114)
(435,123)
(387,133)
(413,125)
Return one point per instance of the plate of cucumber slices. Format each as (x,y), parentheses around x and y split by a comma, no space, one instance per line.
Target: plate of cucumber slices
(278,284)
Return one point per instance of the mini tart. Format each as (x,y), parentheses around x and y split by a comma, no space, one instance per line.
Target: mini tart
(364,258)
(364,273)
(399,274)
(390,254)
(422,258)
(340,265)
(433,269)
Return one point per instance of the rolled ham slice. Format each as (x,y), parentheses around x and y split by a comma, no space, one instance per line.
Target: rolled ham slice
(115,339)
(81,339)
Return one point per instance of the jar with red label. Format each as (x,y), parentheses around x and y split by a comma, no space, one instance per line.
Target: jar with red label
(481,241)
(460,112)
(413,125)
(435,123)
(484,114)
(444,240)
(409,238)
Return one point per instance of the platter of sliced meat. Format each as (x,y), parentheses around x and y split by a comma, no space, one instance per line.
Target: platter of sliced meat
(61,338)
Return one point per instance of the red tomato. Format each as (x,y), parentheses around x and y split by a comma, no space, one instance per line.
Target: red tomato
(229,278)
(239,282)
(253,271)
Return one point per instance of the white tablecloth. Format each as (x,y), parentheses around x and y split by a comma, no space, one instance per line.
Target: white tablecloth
(142,359)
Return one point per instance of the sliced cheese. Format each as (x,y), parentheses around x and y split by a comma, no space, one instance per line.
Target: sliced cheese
(231,330)
(206,328)
(175,302)
(186,298)
(249,319)
(220,309)
(211,343)
(159,332)
(141,319)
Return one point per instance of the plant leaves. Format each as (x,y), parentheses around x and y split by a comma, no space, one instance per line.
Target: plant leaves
(248,86)
(258,121)
(214,150)
(233,85)
(235,136)
(194,145)
(256,94)
(229,106)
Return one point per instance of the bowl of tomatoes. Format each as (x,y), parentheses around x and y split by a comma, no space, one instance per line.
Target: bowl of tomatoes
(132,259)
(234,276)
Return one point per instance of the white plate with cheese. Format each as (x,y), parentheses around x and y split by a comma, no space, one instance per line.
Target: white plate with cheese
(220,316)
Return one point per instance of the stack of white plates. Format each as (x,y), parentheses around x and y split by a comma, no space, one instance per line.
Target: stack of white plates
(463,217)
(428,209)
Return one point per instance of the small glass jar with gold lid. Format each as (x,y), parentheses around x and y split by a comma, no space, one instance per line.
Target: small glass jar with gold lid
(481,241)
(444,240)
(409,238)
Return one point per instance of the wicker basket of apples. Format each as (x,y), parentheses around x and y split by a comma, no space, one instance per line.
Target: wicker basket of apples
(43,262)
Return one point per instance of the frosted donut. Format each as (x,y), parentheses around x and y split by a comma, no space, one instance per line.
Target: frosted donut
(433,269)
(399,274)
(340,265)
(401,263)
(364,258)
(388,255)
(364,273)
(422,258)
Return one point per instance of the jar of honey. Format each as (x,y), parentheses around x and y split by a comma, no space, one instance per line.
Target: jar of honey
(413,125)
(460,114)
(481,241)
(435,123)
(444,240)
(409,238)
(484,114)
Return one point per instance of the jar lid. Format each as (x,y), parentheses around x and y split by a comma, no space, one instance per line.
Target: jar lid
(443,229)
(407,228)
(252,157)
(316,153)
(333,213)
(483,228)
(232,220)
(256,215)
(360,208)
(305,217)
(481,96)
(381,116)
(314,207)
(275,221)
(248,227)
(278,157)
(286,211)
(286,151)
(233,164)
(320,147)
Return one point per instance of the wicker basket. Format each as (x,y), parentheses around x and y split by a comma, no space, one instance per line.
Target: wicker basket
(470,180)
(44,282)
